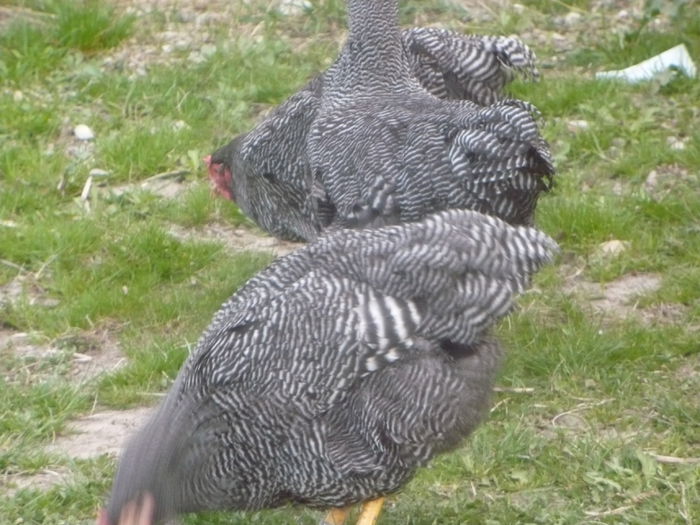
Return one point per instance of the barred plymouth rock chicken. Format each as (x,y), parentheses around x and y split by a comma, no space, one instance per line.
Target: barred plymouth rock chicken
(266,171)
(330,377)
(382,149)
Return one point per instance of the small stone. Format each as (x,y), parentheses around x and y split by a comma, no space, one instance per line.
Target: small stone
(560,42)
(179,125)
(196,57)
(652,180)
(570,421)
(83,132)
(186,16)
(577,125)
(81,358)
(208,50)
(97,172)
(46,302)
(294,7)
(181,44)
(572,18)
(167,48)
(202,19)
(675,143)
(518,8)
(611,248)
(20,338)
(18,96)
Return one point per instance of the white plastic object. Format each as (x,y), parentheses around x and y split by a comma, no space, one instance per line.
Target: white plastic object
(676,57)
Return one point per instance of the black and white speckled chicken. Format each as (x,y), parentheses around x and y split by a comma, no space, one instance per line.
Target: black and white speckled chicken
(266,170)
(334,374)
(383,150)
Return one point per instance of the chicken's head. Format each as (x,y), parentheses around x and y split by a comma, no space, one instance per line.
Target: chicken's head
(221,177)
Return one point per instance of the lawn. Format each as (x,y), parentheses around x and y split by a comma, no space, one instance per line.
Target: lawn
(114,255)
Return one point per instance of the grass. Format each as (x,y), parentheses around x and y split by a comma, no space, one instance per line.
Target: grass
(30,47)
(590,402)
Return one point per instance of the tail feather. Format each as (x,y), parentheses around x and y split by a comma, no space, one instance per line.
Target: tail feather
(469,67)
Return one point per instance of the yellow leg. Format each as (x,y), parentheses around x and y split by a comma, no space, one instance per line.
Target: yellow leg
(370,511)
(336,516)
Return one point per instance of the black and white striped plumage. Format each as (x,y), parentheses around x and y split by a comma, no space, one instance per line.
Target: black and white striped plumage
(466,67)
(384,150)
(266,170)
(337,371)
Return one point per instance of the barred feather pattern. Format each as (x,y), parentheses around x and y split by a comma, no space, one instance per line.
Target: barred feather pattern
(434,154)
(467,67)
(270,172)
(332,375)
(272,180)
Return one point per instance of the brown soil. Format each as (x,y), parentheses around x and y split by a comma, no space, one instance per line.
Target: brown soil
(43,480)
(619,299)
(100,433)
(235,239)
(91,353)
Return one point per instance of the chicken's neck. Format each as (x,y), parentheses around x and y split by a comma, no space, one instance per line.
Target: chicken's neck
(373,59)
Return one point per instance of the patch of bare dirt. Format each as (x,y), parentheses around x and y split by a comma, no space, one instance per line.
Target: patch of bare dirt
(235,239)
(87,355)
(169,185)
(190,30)
(187,30)
(10,484)
(670,313)
(623,290)
(620,298)
(166,185)
(665,180)
(96,353)
(689,371)
(29,359)
(13,13)
(26,346)
(25,286)
(99,433)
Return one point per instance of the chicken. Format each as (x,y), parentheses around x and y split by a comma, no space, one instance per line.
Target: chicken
(335,373)
(266,171)
(384,151)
